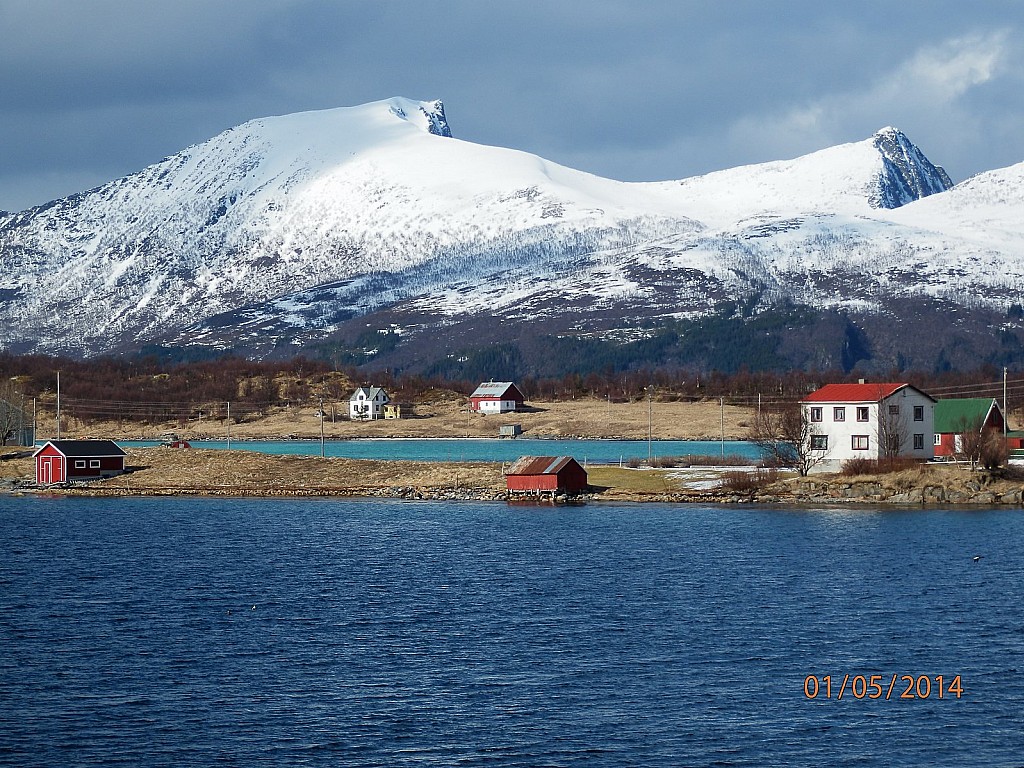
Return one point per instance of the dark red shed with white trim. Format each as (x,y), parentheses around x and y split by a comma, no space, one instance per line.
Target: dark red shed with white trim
(59,461)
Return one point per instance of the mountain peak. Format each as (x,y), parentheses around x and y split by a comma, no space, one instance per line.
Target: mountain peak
(428,115)
(907,174)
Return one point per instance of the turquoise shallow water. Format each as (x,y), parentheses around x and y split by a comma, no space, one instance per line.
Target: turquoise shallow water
(597,451)
(366,633)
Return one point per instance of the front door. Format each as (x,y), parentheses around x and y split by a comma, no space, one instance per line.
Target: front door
(50,470)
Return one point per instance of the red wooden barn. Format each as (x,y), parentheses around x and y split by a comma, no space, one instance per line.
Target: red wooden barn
(59,461)
(546,474)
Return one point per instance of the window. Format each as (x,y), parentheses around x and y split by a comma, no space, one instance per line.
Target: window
(918,442)
(815,414)
(839,414)
(79,463)
(860,442)
(894,410)
(819,442)
(918,413)
(94,463)
(862,413)
(938,439)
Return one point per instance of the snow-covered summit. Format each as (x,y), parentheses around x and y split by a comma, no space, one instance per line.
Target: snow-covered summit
(884,171)
(429,115)
(907,174)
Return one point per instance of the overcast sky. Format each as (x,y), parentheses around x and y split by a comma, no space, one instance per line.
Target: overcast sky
(90,91)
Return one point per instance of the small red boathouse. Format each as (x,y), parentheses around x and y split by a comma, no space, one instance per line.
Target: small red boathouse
(546,474)
(59,461)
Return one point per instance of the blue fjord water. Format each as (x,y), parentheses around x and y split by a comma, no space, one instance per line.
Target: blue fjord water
(378,633)
(483,449)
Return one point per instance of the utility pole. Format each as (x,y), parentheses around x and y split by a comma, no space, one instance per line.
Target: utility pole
(58,405)
(321,427)
(229,425)
(650,422)
(1006,413)
(721,404)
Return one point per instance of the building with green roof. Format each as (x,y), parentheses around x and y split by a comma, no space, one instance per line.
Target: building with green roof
(956,416)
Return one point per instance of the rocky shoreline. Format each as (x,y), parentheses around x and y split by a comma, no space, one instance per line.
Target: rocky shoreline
(163,472)
(803,493)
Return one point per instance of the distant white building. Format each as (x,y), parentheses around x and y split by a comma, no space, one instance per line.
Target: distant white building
(367,403)
(868,421)
(496,397)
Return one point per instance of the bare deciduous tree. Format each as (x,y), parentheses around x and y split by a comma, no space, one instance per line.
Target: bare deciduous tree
(969,441)
(975,444)
(789,439)
(892,430)
(13,419)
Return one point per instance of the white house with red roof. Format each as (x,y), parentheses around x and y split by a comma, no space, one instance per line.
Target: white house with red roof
(868,421)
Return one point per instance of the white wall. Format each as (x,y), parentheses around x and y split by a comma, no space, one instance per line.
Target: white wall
(374,408)
(497,406)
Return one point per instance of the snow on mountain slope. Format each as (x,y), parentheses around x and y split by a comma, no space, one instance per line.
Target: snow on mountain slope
(283,204)
(279,229)
(987,208)
(855,179)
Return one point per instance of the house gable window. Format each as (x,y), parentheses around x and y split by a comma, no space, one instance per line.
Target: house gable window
(918,442)
(894,410)
(819,442)
(918,413)
(839,413)
(860,442)
(815,414)
(863,413)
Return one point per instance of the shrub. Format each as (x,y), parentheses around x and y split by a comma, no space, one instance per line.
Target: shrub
(747,482)
(994,452)
(702,460)
(882,466)
(692,460)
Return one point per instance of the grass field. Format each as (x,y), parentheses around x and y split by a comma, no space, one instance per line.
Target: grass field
(451,418)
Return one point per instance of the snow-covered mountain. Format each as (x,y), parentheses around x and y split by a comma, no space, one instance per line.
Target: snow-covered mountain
(303,229)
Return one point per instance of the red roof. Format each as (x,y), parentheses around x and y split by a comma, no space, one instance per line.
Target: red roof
(854,393)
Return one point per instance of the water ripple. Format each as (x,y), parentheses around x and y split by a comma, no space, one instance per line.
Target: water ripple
(196,631)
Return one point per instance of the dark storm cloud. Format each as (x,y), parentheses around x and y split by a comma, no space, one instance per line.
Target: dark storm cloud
(654,90)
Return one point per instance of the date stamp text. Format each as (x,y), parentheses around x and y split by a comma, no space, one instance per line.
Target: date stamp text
(888,687)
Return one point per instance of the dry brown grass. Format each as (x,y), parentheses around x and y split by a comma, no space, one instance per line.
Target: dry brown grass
(198,471)
(245,470)
(450,417)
